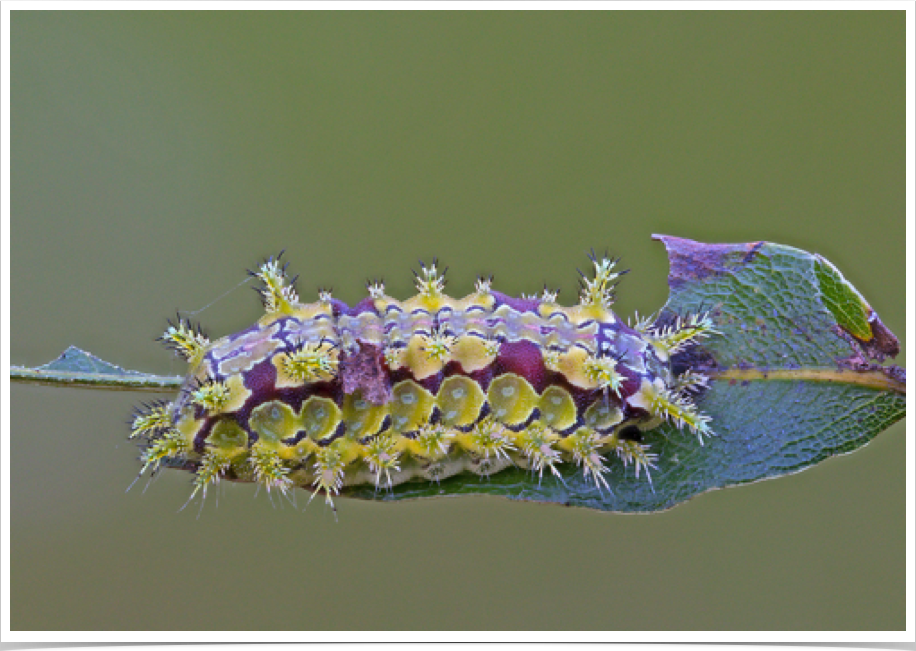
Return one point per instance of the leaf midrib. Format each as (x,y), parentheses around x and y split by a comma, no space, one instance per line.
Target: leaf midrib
(872,379)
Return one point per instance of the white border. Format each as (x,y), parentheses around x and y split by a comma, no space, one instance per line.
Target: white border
(516,636)
(910,325)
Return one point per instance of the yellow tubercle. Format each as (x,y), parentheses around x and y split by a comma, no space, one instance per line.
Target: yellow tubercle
(432,442)
(328,468)
(268,468)
(212,467)
(673,338)
(186,341)
(438,346)
(636,453)
(157,418)
(171,445)
(472,353)
(211,395)
(382,456)
(598,292)
(584,447)
(603,372)
(487,440)
(395,358)
(537,444)
(430,282)
(279,297)
(572,364)
(310,362)
(658,400)
(415,357)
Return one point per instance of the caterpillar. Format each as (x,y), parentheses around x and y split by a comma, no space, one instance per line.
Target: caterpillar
(322,395)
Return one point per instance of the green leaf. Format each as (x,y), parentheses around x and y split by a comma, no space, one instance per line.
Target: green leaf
(792,384)
(77,368)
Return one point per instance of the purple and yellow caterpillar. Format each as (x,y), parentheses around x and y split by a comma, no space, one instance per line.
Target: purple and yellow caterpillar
(322,395)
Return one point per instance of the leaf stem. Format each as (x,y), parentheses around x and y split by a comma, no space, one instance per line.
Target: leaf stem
(157,383)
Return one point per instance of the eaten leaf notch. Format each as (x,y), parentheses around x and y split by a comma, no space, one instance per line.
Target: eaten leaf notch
(809,321)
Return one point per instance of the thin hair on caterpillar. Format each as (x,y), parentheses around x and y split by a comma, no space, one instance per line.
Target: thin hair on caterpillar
(322,395)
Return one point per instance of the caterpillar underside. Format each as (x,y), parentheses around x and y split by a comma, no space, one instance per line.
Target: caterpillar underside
(323,395)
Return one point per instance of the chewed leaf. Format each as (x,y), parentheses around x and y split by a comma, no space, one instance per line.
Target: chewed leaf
(78,368)
(778,307)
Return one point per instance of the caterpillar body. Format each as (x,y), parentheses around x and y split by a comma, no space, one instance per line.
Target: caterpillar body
(324,395)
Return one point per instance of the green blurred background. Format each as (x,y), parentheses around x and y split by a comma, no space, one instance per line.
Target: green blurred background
(156,156)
